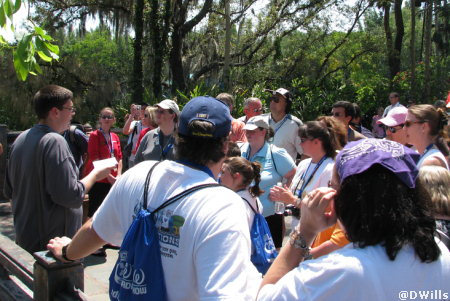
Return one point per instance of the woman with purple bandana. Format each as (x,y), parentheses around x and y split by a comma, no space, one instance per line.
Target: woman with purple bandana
(393,251)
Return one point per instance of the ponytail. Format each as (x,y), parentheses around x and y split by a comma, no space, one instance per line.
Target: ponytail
(255,190)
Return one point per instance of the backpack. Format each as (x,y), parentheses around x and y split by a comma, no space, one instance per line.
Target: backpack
(263,251)
(138,273)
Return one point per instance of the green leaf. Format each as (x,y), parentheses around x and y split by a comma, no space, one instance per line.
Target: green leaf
(21,69)
(52,48)
(42,50)
(37,67)
(2,40)
(17,6)
(2,17)
(42,33)
(44,57)
(8,8)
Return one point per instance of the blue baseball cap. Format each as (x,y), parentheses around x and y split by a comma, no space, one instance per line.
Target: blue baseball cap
(209,109)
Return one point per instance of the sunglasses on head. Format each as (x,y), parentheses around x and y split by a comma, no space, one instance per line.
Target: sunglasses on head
(107,117)
(393,129)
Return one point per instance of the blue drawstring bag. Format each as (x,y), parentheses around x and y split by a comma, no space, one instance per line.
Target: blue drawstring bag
(138,273)
(263,251)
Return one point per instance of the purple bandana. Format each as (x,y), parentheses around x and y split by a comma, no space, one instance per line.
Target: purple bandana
(358,156)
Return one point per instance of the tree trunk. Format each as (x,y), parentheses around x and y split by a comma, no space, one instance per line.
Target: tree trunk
(427,55)
(399,34)
(412,49)
(226,66)
(137,86)
(176,62)
(389,43)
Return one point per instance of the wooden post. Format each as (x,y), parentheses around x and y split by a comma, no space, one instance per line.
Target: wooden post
(52,277)
(4,142)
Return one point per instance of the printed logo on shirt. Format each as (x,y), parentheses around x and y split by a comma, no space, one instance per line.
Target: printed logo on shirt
(169,226)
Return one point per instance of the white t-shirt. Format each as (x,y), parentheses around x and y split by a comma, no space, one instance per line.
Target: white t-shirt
(434,152)
(321,178)
(286,134)
(139,128)
(364,274)
(254,202)
(207,255)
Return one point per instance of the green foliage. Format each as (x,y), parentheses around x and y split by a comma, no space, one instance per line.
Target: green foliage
(31,44)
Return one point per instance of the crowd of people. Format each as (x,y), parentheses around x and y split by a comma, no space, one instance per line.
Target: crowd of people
(364,203)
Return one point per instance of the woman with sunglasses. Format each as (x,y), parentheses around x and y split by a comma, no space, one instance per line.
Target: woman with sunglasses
(424,130)
(394,123)
(103,144)
(320,143)
(157,144)
(276,164)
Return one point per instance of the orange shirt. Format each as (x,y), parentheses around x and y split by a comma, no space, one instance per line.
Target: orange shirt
(335,234)
(237,131)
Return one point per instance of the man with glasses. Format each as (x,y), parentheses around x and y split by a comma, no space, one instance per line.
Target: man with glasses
(394,124)
(345,112)
(284,124)
(42,176)
(252,107)
(394,98)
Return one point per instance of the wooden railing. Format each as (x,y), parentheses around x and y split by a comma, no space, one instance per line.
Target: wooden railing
(41,274)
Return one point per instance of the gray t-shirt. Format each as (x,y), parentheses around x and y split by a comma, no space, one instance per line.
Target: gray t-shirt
(42,182)
(155,146)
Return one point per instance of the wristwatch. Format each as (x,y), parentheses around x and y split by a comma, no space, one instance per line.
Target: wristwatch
(64,254)
(297,241)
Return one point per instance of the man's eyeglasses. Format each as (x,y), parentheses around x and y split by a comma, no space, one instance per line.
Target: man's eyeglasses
(107,117)
(410,123)
(258,110)
(336,114)
(70,109)
(394,129)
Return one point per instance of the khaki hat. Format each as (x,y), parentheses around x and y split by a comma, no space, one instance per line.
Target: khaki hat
(169,104)
(256,122)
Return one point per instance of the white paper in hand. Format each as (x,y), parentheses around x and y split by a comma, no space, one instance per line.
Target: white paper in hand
(106,163)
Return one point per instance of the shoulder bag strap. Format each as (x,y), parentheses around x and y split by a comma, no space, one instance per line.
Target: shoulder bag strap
(444,238)
(273,160)
(253,209)
(147,182)
(183,194)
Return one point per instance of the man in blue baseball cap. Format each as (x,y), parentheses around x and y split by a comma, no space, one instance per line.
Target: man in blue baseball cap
(204,239)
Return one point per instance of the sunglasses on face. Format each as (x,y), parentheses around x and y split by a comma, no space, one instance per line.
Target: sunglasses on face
(258,110)
(410,123)
(107,117)
(275,99)
(394,129)
(161,111)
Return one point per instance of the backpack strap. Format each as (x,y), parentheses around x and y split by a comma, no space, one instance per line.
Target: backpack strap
(183,194)
(147,182)
(444,238)
(72,133)
(273,160)
(253,209)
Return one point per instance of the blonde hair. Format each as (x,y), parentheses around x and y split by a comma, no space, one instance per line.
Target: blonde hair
(151,111)
(435,180)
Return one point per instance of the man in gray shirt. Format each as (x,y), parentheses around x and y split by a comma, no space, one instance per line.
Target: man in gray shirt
(42,177)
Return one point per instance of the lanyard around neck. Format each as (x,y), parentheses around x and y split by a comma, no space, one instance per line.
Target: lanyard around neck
(429,147)
(165,150)
(302,181)
(282,122)
(109,144)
